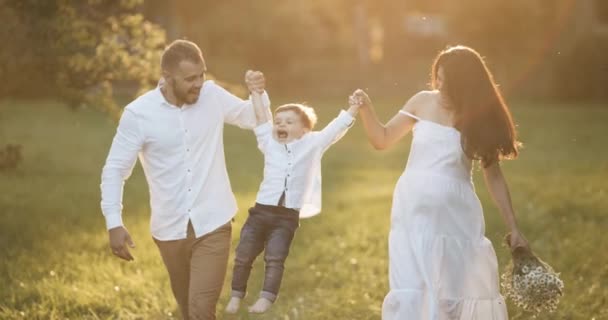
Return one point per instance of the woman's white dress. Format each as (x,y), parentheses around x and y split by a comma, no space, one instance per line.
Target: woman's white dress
(441,264)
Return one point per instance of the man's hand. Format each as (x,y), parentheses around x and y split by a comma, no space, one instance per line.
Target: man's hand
(360,98)
(255,81)
(120,240)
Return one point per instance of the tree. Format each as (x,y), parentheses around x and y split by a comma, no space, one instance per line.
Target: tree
(77,51)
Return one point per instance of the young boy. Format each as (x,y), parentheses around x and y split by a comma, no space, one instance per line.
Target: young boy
(291,189)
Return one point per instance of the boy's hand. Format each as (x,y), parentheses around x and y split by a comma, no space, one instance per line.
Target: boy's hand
(354,103)
(255,81)
(360,98)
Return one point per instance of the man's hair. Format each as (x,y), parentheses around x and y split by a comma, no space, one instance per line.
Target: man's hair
(178,51)
(307,114)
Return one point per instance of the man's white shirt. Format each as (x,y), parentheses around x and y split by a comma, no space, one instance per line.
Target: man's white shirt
(295,168)
(182,154)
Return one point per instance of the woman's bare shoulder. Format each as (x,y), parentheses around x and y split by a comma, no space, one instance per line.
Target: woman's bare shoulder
(421,99)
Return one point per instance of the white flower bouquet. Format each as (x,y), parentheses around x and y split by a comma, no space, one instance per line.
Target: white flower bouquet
(531,283)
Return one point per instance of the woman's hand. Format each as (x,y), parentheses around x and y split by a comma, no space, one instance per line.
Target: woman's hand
(517,240)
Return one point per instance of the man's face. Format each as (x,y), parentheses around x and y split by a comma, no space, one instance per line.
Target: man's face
(288,126)
(186,81)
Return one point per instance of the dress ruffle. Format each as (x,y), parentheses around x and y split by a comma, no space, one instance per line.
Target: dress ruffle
(416,305)
(440,277)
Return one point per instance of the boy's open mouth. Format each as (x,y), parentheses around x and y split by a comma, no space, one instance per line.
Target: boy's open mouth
(282,134)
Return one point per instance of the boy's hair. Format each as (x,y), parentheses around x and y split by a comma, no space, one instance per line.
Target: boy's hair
(306,113)
(178,51)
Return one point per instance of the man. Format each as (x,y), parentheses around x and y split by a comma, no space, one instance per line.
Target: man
(177,132)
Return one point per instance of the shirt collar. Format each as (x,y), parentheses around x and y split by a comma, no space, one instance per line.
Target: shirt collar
(160,98)
(294,142)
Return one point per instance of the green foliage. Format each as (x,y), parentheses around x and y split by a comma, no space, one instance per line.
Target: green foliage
(78,50)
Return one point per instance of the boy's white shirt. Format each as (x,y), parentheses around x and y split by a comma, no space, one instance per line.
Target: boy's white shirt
(295,167)
(182,153)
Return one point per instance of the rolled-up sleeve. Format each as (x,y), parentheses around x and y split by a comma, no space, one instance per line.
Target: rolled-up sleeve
(119,164)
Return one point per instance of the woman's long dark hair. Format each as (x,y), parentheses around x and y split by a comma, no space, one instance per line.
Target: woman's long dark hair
(481,115)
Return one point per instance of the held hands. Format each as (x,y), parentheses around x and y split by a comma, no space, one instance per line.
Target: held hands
(120,240)
(255,81)
(359,98)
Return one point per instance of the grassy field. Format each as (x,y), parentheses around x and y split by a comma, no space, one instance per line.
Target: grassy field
(54,256)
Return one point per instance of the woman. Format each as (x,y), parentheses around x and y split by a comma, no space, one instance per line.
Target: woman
(441,264)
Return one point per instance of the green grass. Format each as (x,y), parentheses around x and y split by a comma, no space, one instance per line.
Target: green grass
(55,262)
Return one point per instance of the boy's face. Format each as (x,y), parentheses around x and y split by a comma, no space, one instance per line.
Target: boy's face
(288,126)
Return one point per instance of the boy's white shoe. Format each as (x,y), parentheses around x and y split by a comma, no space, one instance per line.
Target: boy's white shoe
(233,305)
(260,306)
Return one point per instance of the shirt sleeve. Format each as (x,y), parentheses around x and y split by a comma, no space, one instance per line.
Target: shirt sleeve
(127,143)
(263,134)
(237,111)
(335,130)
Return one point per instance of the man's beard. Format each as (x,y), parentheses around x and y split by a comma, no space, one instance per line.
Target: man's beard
(183,96)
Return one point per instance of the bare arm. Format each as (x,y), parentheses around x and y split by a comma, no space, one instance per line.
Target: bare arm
(383,136)
(498,189)
(262,112)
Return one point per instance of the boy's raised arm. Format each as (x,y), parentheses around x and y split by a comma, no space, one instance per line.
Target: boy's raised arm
(337,128)
(262,113)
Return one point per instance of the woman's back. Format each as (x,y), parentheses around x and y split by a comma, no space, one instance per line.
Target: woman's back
(436,147)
